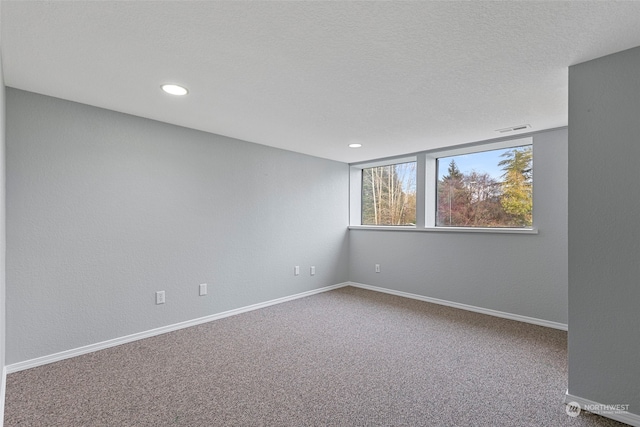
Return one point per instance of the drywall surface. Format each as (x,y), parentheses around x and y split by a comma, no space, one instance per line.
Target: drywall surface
(104,209)
(3,239)
(604,231)
(513,273)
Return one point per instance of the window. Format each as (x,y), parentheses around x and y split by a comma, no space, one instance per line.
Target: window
(486,189)
(389,194)
(383,193)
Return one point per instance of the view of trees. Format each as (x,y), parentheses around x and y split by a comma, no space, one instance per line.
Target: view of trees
(476,199)
(389,195)
(464,199)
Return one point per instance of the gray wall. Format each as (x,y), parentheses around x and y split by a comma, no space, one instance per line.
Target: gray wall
(513,273)
(2,233)
(604,231)
(104,209)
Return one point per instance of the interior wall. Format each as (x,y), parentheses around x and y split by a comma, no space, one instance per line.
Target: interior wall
(520,274)
(2,218)
(2,237)
(104,209)
(604,232)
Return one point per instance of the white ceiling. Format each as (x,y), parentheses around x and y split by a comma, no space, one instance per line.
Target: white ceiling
(312,77)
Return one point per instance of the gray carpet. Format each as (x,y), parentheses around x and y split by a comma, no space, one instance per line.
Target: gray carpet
(348,357)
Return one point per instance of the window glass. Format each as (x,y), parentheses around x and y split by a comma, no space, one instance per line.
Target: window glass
(486,189)
(389,194)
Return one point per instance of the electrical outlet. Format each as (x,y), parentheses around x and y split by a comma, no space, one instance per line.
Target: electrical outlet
(296,270)
(312,270)
(377,268)
(203,289)
(160,297)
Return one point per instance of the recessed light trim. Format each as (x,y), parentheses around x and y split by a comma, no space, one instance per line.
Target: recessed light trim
(355,145)
(174,89)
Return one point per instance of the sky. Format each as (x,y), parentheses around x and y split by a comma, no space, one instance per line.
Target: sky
(482,162)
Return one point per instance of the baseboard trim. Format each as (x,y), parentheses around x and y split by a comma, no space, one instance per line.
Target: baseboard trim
(511,316)
(56,357)
(623,417)
(44,360)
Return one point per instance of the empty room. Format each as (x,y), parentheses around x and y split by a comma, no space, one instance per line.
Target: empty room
(223,213)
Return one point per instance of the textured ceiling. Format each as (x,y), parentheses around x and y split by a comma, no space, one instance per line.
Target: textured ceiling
(312,77)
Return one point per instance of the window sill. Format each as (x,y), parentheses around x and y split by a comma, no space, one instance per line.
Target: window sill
(446,229)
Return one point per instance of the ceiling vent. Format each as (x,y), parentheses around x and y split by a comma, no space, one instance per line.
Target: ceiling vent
(514,128)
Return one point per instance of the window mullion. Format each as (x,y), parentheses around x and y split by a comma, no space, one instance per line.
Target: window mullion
(430,190)
(421,190)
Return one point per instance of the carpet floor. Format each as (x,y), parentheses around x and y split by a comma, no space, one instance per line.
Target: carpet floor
(348,357)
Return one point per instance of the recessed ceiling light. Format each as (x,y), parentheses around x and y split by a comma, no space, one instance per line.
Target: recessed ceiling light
(174,89)
(355,145)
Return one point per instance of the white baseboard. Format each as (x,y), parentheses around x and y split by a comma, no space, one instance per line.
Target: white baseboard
(39,361)
(533,320)
(593,407)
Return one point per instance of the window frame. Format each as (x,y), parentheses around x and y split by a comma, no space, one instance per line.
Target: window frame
(432,178)
(426,188)
(355,183)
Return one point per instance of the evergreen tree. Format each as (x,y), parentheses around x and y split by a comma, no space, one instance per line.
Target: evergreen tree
(517,185)
(453,173)
(453,198)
